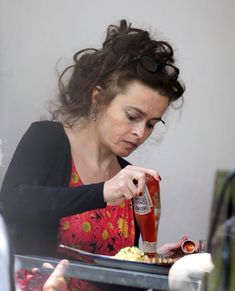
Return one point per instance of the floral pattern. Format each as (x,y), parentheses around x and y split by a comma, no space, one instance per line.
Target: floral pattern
(24,281)
(102,231)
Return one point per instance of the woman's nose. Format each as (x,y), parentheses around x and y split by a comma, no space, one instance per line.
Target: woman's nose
(139,130)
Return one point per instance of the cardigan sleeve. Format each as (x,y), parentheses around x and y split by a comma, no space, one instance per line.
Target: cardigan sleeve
(40,203)
(35,186)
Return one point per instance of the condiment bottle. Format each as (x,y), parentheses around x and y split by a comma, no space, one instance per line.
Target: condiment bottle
(147,208)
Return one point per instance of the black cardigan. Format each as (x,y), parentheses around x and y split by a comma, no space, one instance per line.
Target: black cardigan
(35,192)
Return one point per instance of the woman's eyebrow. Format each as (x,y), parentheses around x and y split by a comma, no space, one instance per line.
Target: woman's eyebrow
(144,114)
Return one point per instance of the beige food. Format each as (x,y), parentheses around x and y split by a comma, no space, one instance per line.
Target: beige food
(135,254)
(131,254)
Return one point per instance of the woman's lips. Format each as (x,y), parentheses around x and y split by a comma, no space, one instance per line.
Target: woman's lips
(130,144)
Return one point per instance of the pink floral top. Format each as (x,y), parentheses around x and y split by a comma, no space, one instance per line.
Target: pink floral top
(102,231)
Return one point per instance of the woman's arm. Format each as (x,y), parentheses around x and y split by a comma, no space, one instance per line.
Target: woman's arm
(36,182)
(40,203)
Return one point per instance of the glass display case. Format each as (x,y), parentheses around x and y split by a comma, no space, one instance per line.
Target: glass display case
(133,277)
(110,271)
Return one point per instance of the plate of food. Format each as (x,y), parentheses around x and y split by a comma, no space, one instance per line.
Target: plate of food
(129,258)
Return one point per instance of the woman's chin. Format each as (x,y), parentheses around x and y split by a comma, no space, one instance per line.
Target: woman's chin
(123,153)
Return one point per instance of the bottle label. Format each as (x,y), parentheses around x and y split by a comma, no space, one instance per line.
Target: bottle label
(143,203)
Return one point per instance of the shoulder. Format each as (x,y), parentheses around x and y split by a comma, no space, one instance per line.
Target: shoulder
(45,130)
(44,136)
(47,126)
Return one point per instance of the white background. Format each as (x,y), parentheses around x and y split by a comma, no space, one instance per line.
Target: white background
(198,139)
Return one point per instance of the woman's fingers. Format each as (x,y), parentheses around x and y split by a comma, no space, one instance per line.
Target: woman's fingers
(56,281)
(132,187)
(183,238)
(147,171)
(60,268)
(138,175)
(128,183)
(47,266)
(140,182)
(35,271)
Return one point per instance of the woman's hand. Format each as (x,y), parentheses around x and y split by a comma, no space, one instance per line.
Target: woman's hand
(172,250)
(56,281)
(43,281)
(128,183)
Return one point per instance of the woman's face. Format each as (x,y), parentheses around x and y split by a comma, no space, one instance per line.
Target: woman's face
(130,118)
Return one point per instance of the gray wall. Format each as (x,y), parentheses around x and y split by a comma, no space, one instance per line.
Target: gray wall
(198,139)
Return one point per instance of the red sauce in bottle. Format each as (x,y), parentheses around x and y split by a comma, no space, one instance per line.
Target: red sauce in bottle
(147,209)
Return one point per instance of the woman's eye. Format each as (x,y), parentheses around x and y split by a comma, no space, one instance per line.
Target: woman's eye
(131,117)
(150,125)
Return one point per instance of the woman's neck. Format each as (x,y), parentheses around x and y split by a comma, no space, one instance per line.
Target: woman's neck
(93,161)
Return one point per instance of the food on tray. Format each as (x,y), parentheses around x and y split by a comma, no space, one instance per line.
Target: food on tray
(135,254)
(131,254)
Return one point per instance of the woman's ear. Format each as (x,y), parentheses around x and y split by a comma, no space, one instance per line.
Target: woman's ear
(96,95)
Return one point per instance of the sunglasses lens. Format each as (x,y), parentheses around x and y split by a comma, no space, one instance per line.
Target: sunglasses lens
(171,71)
(149,64)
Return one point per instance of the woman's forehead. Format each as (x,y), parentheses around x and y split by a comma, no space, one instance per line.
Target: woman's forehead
(142,98)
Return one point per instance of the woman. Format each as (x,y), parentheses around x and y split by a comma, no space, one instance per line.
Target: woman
(74,164)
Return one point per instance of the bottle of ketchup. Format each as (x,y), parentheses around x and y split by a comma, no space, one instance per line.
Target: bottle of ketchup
(147,208)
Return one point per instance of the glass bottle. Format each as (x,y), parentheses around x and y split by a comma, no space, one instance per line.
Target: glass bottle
(147,208)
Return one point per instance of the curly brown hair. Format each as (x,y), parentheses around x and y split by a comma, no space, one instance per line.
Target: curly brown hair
(112,68)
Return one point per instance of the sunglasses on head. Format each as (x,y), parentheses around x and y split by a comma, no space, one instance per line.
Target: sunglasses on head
(152,66)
